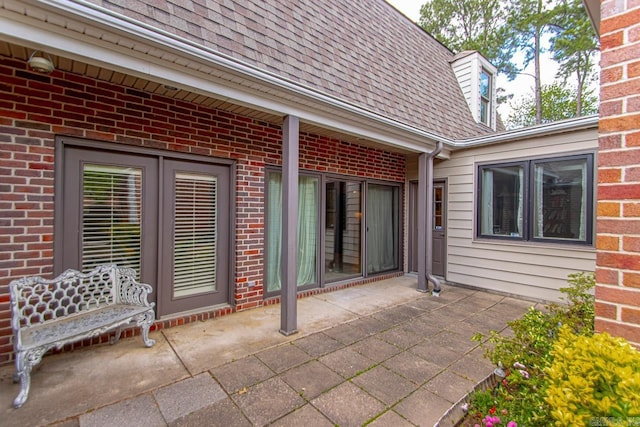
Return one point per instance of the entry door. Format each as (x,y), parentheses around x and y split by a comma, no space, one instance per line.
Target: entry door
(172,227)
(438,266)
(439,223)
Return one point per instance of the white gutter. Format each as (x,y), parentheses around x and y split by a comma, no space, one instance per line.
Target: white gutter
(584,122)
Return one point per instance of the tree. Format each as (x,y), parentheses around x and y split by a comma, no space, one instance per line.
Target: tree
(471,25)
(558,102)
(574,45)
(530,19)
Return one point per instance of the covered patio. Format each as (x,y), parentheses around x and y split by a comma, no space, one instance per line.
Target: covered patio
(380,353)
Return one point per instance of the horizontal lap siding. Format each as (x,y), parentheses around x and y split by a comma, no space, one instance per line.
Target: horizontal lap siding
(35,108)
(528,269)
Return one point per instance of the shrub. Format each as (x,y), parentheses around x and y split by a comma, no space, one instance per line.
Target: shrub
(593,379)
(524,356)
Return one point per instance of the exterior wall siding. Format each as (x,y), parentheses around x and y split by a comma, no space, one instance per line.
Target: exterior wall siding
(530,269)
(618,248)
(34,108)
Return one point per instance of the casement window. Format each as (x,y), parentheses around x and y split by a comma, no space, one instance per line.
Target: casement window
(537,200)
(486,85)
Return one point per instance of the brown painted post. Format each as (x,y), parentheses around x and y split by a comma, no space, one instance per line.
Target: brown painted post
(289,271)
(422,222)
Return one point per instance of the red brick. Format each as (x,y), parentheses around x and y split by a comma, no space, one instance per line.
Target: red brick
(631,280)
(607,243)
(609,175)
(607,142)
(619,21)
(607,276)
(618,192)
(611,40)
(627,331)
(631,244)
(611,108)
(630,315)
(618,260)
(619,158)
(633,69)
(630,210)
(618,295)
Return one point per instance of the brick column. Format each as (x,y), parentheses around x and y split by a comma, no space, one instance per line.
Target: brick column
(618,223)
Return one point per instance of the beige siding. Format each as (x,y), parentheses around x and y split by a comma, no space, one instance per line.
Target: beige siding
(525,268)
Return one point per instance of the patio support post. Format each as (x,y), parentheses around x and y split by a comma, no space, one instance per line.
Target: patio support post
(422,222)
(288,266)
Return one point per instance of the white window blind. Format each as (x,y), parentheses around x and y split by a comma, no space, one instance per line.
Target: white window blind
(194,236)
(111,212)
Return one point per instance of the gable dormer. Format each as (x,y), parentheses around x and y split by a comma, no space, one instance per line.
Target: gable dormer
(477,79)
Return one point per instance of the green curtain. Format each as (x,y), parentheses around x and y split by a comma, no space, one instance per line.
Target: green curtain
(307,230)
(382,228)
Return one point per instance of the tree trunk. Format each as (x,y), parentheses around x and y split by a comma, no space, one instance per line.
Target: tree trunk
(538,89)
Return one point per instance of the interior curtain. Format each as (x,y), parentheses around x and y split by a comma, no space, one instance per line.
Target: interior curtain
(519,218)
(539,201)
(583,202)
(487,202)
(307,231)
(274,232)
(381,229)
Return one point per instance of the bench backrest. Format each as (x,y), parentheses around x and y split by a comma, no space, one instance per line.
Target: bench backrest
(35,300)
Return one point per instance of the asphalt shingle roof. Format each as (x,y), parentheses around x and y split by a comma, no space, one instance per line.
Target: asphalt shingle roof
(362,52)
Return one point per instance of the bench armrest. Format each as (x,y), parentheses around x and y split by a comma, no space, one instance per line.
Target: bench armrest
(129,290)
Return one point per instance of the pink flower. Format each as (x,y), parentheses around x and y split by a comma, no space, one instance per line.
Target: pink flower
(524,373)
(519,365)
(512,424)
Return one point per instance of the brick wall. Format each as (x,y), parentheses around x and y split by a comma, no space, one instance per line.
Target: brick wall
(34,108)
(618,225)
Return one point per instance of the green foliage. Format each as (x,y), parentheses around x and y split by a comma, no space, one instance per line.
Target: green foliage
(526,354)
(558,103)
(593,376)
(471,25)
(575,46)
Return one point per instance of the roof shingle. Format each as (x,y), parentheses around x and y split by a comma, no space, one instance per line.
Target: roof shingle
(362,52)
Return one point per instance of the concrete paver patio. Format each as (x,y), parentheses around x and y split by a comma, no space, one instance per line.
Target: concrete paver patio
(381,353)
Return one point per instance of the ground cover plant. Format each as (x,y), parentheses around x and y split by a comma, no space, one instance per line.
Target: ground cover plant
(553,370)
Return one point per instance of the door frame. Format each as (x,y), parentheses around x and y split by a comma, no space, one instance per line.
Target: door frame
(413,226)
(64,142)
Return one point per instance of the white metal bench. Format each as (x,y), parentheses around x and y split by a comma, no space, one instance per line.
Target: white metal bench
(72,307)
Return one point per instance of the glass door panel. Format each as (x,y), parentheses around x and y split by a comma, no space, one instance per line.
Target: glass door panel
(194,254)
(308,200)
(343,230)
(111,216)
(383,225)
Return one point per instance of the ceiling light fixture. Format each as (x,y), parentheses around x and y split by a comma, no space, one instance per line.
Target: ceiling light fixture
(40,63)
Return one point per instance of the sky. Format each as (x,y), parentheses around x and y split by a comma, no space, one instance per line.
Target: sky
(520,86)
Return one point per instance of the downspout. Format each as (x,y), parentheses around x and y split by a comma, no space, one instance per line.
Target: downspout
(429,220)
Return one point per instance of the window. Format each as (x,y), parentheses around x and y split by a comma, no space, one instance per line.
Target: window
(485,97)
(541,200)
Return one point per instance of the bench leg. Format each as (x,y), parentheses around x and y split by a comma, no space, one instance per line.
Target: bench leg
(145,324)
(114,339)
(25,360)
